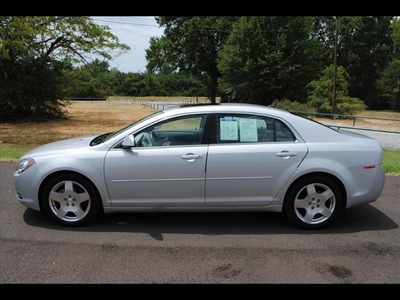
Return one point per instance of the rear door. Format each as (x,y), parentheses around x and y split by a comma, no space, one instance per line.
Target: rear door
(250,160)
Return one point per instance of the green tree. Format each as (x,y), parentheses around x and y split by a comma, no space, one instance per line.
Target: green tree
(396,36)
(190,45)
(389,84)
(269,58)
(90,80)
(159,56)
(150,84)
(176,84)
(31,90)
(321,89)
(293,106)
(34,54)
(365,47)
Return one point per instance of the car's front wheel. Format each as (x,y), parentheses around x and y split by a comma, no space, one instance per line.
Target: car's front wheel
(70,199)
(313,202)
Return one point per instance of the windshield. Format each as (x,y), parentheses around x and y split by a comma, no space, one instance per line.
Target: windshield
(111,135)
(99,139)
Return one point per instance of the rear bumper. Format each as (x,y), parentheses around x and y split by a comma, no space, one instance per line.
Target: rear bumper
(370,189)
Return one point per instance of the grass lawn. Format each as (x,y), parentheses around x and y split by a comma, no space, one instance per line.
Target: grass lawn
(91,117)
(11,152)
(391,161)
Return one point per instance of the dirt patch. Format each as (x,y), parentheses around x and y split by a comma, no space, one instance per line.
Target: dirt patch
(340,271)
(107,248)
(227,271)
(375,248)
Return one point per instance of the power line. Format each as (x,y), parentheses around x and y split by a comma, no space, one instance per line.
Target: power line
(126,23)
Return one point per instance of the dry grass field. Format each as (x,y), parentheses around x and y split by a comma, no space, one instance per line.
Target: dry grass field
(363,121)
(92,117)
(85,118)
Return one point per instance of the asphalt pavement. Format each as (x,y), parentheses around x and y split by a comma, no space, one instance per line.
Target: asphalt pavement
(362,246)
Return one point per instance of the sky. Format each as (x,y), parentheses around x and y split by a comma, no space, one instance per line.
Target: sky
(135,32)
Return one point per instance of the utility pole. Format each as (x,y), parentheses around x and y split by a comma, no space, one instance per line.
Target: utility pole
(335,66)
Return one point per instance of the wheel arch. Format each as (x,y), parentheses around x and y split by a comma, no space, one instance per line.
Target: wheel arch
(339,183)
(64,172)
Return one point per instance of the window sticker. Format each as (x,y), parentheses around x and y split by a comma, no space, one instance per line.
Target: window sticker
(228,129)
(248,130)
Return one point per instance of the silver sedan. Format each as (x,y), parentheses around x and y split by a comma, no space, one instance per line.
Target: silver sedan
(223,157)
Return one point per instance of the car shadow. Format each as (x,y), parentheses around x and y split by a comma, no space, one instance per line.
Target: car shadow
(357,219)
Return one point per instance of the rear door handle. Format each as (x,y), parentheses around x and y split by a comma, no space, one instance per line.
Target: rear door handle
(286,154)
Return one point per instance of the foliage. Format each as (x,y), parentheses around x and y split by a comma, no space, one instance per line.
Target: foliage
(30,88)
(90,80)
(149,84)
(262,59)
(190,45)
(389,84)
(180,85)
(269,58)
(159,56)
(293,106)
(34,54)
(321,89)
(60,37)
(396,36)
(365,48)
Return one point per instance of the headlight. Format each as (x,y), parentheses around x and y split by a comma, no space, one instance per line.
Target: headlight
(25,164)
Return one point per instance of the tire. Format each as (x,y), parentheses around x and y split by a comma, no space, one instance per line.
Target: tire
(313,202)
(70,200)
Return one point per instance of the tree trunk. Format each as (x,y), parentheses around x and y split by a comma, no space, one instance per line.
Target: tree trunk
(213,88)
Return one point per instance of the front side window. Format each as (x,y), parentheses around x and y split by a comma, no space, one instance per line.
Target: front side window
(181,131)
(251,129)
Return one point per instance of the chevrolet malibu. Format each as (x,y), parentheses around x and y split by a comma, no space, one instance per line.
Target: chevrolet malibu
(223,157)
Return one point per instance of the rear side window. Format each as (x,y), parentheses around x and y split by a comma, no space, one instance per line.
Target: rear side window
(251,129)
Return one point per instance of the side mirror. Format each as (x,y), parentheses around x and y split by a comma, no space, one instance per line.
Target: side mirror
(128,142)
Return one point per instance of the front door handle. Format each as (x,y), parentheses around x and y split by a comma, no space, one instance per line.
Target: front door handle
(286,154)
(191,156)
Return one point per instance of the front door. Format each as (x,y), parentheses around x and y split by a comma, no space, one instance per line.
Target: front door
(165,168)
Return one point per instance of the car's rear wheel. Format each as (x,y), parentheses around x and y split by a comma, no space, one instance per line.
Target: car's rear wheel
(313,202)
(70,199)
